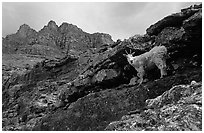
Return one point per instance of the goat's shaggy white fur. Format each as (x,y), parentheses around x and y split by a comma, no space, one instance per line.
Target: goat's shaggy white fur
(155,57)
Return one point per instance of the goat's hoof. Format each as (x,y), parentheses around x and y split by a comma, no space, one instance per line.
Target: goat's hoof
(163,76)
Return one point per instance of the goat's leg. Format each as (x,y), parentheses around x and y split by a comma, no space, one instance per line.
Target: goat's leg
(162,66)
(140,74)
(163,72)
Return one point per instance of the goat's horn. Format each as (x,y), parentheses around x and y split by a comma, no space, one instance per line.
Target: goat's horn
(133,53)
(126,52)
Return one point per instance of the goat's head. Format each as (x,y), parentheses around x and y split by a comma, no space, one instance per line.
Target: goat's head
(129,56)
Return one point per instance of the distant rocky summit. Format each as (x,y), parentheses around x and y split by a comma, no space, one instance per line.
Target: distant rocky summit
(53,40)
(91,86)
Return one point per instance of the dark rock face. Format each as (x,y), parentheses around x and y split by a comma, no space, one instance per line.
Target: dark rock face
(95,110)
(174,20)
(93,85)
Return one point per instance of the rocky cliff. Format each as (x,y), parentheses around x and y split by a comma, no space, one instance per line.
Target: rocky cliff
(97,89)
(53,40)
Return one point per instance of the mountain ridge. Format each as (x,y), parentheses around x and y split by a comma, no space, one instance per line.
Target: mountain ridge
(62,38)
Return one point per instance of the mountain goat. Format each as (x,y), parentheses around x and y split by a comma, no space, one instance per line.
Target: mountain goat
(155,57)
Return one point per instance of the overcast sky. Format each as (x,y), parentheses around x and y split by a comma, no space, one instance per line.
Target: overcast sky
(119,19)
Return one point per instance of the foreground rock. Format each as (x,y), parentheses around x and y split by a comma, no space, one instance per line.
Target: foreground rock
(96,110)
(179,109)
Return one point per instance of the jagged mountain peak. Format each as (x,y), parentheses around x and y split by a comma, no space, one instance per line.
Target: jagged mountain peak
(65,27)
(24,26)
(62,38)
(25,31)
(52,25)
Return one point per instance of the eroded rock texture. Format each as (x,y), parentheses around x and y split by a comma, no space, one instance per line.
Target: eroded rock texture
(179,109)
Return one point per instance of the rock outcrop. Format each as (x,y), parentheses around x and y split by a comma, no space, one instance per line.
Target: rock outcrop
(178,109)
(174,20)
(90,89)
